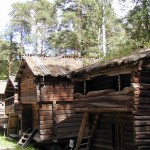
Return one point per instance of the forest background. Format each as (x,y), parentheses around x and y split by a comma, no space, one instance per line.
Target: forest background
(87,28)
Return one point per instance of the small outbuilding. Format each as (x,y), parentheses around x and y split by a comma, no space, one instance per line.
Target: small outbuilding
(46,95)
(3,84)
(3,118)
(12,107)
(115,99)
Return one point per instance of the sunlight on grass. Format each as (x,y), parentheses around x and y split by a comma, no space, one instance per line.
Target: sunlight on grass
(9,144)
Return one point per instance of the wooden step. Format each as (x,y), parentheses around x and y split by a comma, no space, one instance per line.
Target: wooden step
(27,137)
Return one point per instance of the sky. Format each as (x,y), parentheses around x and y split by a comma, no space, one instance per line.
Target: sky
(5,8)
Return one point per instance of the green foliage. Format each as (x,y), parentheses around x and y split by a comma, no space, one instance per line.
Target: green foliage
(20,21)
(80,28)
(137,25)
(7,143)
(8,54)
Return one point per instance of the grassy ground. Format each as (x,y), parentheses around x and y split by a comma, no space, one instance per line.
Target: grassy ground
(9,144)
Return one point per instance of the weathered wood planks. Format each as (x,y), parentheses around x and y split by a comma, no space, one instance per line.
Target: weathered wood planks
(141,109)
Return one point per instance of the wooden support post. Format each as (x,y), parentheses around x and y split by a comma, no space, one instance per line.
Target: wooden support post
(54,118)
(81,131)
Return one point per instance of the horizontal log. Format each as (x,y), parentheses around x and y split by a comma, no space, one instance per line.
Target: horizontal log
(106,98)
(142,117)
(69,120)
(100,92)
(141,86)
(142,123)
(144,147)
(143,142)
(142,100)
(67,130)
(46,132)
(46,107)
(59,98)
(140,112)
(42,118)
(64,106)
(66,124)
(97,110)
(142,106)
(65,137)
(45,113)
(46,138)
(140,80)
(61,112)
(143,136)
(47,126)
(46,122)
(104,105)
(144,93)
(145,129)
(28,101)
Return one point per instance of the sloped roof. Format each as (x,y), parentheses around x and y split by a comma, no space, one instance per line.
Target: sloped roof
(12,80)
(105,66)
(3,84)
(54,66)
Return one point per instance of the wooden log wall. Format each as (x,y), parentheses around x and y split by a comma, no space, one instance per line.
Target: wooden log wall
(141,109)
(101,99)
(114,131)
(58,96)
(28,88)
(46,122)
(2,106)
(67,122)
(12,124)
(59,91)
(58,121)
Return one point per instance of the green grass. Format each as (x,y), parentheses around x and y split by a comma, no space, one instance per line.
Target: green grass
(7,143)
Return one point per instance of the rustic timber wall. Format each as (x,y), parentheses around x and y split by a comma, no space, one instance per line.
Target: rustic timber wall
(2,105)
(28,88)
(68,123)
(28,99)
(141,109)
(12,124)
(57,91)
(58,121)
(114,131)
(56,115)
(105,95)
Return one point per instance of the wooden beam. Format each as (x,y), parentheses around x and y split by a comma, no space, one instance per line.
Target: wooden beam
(28,102)
(103,110)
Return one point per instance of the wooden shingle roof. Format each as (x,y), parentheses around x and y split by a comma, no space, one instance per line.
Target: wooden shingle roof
(3,84)
(12,80)
(105,67)
(54,66)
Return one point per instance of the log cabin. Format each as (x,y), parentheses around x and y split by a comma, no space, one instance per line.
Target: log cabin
(46,95)
(12,107)
(3,84)
(115,100)
(3,118)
